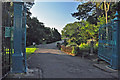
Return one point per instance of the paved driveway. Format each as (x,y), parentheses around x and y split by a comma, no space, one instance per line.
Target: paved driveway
(53,63)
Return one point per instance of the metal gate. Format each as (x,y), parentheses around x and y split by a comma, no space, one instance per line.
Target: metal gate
(106,42)
(6,38)
(13,37)
(109,40)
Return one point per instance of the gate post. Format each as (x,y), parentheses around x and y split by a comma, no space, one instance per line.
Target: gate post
(24,37)
(17,57)
(0,40)
(116,54)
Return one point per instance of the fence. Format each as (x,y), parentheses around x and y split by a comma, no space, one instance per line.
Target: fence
(6,39)
(13,38)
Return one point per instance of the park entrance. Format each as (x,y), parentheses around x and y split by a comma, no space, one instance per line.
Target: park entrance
(14,40)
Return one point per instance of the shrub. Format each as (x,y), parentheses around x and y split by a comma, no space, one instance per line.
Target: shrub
(65,42)
(75,50)
(61,49)
(84,46)
(72,44)
(96,46)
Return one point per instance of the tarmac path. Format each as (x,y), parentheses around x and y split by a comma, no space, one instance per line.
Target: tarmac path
(53,63)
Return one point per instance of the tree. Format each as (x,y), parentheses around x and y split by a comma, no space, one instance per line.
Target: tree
(34,30)
(80,32)
(38,33)
(91,11)
(84,10)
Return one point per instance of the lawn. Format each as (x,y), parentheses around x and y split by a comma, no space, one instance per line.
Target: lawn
(30,50)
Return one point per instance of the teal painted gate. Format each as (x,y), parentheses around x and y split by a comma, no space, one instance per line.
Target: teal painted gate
(109,42)
(13,38)
(6,38)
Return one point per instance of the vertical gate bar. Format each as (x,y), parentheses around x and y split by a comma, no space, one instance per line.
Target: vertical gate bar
(3,68)
(5,40)
(2,51)
(17,57)
(25,9)
(8,40)
(0,40)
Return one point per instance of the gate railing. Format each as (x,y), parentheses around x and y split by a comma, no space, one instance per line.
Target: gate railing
(14,38)
(109,42)
(6,39)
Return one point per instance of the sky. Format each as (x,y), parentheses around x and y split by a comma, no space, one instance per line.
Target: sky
(55,14)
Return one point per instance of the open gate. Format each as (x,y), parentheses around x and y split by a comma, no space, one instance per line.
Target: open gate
(6,38)
(109,43)
(106,42)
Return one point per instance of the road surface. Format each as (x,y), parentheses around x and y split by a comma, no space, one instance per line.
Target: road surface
(53,63)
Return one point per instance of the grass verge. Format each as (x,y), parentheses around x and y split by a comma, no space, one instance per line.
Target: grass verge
(30,50)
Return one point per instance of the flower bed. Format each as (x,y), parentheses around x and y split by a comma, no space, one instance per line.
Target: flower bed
(82,49)
(67,50)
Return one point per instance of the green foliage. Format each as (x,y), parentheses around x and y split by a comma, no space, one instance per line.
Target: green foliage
(92,10)
(83,10)
(38,33)
(80,32)
(102,20)
(96,46)
(30,50)
(84,46)
(72,42)
(65,42)
(74,50)
(61,49)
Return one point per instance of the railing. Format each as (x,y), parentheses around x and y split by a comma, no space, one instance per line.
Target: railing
(109,42)
(6,39)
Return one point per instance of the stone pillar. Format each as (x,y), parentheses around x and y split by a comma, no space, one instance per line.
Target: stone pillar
(0,40)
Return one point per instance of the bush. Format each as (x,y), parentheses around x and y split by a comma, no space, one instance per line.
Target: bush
(75,50)
(84,46)
(65,42)
(72,44)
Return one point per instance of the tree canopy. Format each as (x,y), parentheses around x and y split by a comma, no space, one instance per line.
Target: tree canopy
(38,33)
(91,16)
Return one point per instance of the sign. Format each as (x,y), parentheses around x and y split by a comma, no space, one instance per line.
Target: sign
(7,31)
